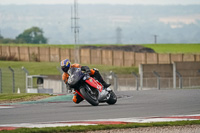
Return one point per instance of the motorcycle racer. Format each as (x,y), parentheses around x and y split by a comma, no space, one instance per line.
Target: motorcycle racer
(66,65)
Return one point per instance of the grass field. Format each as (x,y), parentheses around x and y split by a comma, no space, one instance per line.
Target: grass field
(50,68)
(175,48)
(34,68)
(159,48)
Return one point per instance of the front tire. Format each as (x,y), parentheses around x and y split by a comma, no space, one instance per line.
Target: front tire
(113,98)
(91,98)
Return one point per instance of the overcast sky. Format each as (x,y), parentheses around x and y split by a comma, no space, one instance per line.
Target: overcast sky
(146,2)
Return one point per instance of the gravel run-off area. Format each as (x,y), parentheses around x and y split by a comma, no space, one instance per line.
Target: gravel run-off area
(167,129)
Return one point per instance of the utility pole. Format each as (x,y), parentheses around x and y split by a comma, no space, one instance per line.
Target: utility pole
(75,28)
(155,39)
(118,35)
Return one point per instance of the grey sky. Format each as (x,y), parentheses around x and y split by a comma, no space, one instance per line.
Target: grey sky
(128,2)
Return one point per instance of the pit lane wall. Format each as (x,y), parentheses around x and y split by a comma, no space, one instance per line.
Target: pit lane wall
(92,56)
(175,75)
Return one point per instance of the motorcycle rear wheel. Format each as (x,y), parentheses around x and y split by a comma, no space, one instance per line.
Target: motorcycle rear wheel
(91,98)
(112,99)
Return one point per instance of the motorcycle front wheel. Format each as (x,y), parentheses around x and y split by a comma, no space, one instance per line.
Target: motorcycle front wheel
(89,96)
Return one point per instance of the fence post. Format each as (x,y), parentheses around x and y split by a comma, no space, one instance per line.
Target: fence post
(101,57)
(112,57)
(62,83)
(136,80)
(27,73)
(29,56)
(123,59)
(9,53)
(158,79)
(180,79)
(141,76)
(174,75)
(0,81)
(115,81)
(13,78)
(59,54)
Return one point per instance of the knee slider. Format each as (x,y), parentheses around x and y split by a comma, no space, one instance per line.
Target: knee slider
(77,99)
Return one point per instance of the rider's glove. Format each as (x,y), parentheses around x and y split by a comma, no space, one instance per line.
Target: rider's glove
(86,69)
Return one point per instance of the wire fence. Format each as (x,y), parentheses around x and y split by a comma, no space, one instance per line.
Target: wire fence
(155,84)
(12,80)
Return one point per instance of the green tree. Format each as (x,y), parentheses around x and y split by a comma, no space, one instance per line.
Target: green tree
(32,35)
(6,40)
(1,37)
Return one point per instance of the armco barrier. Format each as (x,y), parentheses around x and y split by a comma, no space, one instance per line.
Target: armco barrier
(92,56)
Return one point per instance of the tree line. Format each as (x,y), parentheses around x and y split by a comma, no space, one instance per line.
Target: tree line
(32,35)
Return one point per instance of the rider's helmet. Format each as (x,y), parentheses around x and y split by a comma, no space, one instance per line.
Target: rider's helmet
(65,65)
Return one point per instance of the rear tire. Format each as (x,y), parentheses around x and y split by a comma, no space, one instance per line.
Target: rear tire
(113,98)
(92,99)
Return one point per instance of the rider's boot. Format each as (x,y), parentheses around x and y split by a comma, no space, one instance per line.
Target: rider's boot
(98,76)
(106,85)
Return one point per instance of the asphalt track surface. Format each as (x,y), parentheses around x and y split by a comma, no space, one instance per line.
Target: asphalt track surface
(129,104)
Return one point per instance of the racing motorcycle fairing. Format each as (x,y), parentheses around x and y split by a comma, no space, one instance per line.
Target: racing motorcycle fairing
(75,76)
(95,84)
(79,94)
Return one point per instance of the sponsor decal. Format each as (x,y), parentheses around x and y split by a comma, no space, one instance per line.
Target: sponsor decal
(67,63)
(90,79)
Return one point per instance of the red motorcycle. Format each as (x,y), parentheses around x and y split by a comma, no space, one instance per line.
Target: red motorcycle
(89,88)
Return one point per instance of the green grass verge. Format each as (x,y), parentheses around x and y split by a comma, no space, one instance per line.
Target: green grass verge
(175,48)
(34,68)
(100,127)
(22,96)
(159,48)
(50,68)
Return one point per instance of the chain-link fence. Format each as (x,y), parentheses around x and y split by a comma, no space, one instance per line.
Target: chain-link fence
(132,81)
(12,80)
(157,83)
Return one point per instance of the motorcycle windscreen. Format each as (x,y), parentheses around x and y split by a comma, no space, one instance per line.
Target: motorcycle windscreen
(92,82)
(75,74)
